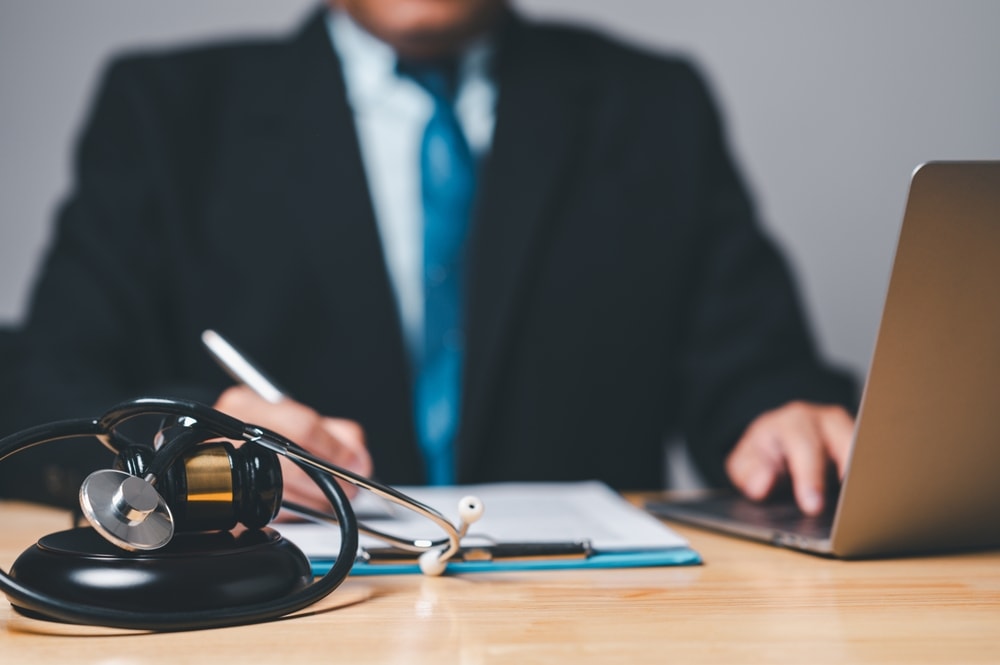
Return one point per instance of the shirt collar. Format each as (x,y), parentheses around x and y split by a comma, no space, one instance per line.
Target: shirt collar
(369,64)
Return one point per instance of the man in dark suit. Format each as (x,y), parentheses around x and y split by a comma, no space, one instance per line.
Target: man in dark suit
(617,288)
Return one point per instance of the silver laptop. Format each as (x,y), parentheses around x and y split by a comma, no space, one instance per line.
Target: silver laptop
(924,471)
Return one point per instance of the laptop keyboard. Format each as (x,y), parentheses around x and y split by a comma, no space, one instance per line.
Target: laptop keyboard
(781,516)
(776,515)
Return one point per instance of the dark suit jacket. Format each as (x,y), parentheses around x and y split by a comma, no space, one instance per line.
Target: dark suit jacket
(620,289)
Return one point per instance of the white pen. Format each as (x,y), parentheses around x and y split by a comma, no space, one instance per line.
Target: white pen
(239,367)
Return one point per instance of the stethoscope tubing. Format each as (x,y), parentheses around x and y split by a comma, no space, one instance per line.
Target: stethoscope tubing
(277,444)
(192,414)
(81,613)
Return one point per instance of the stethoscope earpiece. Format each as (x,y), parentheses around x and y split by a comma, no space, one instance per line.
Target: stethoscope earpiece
(434,562)
(431,563)
(470,509)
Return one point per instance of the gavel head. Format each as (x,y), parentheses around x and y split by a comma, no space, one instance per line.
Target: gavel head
(215,486)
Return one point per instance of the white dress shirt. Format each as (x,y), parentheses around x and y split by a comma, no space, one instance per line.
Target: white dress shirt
(390,113)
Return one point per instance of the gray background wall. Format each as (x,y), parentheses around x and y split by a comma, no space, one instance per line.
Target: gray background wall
(829,104)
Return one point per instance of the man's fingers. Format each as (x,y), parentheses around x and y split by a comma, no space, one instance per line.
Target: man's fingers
(755,465)
(806,454)
(797,441)
(335,440)
(351,436)
(301,489)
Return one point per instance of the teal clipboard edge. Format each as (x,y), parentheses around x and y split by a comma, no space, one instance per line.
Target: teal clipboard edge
(678,556)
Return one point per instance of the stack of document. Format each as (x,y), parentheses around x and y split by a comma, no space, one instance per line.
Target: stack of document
(525,526)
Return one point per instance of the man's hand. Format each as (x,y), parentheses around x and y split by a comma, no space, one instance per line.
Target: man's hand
(339,441)
(795,442)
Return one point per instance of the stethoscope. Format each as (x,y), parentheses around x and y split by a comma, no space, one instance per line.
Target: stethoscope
(192,458)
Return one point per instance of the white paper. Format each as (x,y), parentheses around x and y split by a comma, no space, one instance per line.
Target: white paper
(513,512)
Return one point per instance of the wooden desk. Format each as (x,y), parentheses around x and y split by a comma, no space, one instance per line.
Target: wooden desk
(748,603)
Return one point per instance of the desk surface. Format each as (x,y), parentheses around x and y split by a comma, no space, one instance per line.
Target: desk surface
(747,603)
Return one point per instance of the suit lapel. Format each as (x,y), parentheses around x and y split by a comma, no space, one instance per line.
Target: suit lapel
(540,119)
(327,190)
(330,208)
(541,106)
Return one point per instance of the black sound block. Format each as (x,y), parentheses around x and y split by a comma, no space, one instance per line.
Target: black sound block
(200,571)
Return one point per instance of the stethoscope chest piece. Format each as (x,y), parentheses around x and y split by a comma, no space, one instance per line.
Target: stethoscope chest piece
(127,510)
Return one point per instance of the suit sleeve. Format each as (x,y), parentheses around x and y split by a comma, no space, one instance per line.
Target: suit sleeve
(95,333)
(748,347)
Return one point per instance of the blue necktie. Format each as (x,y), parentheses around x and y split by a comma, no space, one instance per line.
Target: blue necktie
(448,182)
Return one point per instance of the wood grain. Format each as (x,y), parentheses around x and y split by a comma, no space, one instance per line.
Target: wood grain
(747,603)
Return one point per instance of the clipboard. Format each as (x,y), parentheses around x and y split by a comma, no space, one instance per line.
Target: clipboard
(525,526)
